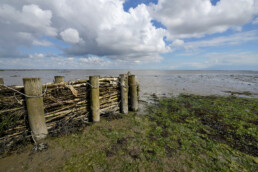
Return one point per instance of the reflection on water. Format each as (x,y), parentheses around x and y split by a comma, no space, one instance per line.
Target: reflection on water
(160,83)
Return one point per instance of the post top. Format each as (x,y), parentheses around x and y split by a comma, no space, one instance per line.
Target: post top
(58,76)
(95,76)
(123,75)
(31,79)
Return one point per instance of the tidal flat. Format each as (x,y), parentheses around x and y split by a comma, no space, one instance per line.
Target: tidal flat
(183,133)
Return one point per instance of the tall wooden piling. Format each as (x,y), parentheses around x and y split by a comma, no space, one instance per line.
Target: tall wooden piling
(59,79)
(94,98)
(1,81)
(124,93)
(133,93)
(35,108)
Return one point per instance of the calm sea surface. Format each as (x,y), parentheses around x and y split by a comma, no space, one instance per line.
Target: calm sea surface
(158,82)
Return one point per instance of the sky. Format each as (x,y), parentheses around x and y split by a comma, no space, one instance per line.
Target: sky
(129,34)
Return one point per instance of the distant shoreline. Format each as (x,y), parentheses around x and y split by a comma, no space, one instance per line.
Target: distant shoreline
(128,70)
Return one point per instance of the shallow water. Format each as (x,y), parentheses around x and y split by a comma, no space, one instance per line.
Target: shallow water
(158,82)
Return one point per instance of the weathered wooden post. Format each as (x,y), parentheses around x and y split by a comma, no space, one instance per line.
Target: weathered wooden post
(133,93)
(124,93)
(1,81)
(138,90)
(35,108)
(59,79)
(94,98)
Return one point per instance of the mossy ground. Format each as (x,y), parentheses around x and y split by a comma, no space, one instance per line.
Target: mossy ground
(186,133)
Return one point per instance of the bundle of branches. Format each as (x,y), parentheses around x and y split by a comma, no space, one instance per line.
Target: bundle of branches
(66,111)
(13,119)
(109,95)
(64,102)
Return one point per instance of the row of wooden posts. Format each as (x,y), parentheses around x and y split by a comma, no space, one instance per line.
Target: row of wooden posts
(35,107)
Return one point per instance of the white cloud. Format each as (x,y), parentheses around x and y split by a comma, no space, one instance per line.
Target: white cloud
(103,28)
(36,56)
(35,17)
(43,43)
(107,30)
(94,60)
(233,39)
(242,58)
(178,43)
(213,60)
(23,26)
(255,21)
(29,17)
(70,35)
(195,18)
(44,61)
(98,27)
(70,58)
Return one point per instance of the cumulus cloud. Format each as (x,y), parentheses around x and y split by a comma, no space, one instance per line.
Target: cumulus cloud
(98,27)
(195,18)
(102,27)
(23,26)
(70,35)
(29,17)
(112,32)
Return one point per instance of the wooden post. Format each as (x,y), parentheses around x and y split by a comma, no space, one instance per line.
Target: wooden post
(124,93)
(133,93)
(59,79)
(138,90)
(94,98)
(35,108)
(1,81)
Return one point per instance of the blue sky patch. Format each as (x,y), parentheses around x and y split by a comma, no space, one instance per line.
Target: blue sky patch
(134,3)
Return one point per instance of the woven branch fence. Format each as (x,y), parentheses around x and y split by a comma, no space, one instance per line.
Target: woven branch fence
(68,106)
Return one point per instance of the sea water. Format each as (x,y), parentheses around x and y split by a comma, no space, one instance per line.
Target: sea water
(160,83)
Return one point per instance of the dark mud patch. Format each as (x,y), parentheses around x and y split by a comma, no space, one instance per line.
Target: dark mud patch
(122,145)
(65,128)
(255,122)
(169,151)
(225,133)
(152,137)
(165,133)
(135,153)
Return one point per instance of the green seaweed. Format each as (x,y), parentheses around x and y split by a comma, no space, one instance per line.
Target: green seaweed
(184,133)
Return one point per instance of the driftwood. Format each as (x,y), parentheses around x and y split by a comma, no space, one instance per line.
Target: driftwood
(65,105)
